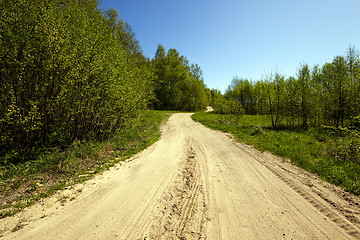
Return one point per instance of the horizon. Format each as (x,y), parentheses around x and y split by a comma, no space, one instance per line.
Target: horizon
(245,39)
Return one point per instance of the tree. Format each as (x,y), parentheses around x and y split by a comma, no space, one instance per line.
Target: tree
(279,96)
(292,101)
(69,72)
(160,52)
(353,66)
(324,95)
(178,85)
(260,97)
(242,91)
(304,89)
(336,84)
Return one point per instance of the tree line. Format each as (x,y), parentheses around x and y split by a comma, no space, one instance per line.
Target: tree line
(178,85)
(321,95)
(70,71)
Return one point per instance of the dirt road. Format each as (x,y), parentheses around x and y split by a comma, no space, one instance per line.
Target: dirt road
(194,183)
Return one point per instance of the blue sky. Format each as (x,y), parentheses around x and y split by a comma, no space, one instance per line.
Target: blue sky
(244,38)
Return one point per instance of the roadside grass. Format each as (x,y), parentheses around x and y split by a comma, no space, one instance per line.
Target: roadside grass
(23,184)
(171,111)
(332,154)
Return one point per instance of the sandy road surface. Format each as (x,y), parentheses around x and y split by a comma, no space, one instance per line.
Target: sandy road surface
(194,183)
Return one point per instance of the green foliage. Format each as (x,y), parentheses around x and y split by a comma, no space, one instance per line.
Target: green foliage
(355,122)
(332,153)
(333,82)
(225,106)
(178,85)
(327,95)
(54,170)
(69,72)
(243,92)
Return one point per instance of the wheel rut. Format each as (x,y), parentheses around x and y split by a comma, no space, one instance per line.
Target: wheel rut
(195,183)
(311,189)
(182,209)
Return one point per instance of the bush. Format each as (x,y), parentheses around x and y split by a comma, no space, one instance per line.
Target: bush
(66,74)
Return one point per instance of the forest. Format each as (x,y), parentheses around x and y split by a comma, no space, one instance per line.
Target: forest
(70,71)
(326,95)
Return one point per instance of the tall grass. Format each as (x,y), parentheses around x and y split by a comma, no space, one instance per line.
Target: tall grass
(332,154)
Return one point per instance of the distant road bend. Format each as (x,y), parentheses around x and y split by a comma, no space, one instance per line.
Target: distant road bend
(194,183)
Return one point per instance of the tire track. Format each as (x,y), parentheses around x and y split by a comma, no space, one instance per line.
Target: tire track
(328,208)
(195,183)
(182,210)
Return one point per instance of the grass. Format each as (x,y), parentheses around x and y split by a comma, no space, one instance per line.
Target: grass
(330,153)
(23,184)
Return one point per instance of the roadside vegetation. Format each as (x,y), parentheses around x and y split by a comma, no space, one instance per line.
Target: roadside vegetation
(312,119)
(76,94)
(22,184)
(331,153)
(72,72)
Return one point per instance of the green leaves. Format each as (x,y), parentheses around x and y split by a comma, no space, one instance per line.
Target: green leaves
(327,95)
(178,86)
(68,72)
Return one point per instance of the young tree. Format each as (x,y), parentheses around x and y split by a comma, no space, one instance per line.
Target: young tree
(260,97)
(304,89)
(336,84)
(317,105)
(279,96)
(353,66)
(292,101)
(242,91)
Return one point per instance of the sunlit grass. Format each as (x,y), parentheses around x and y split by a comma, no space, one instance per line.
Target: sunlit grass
(317,150)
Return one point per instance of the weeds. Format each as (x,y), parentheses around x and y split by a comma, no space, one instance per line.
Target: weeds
(332,153)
